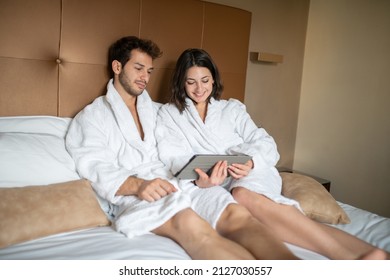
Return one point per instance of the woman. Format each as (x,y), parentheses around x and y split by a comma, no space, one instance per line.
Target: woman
(197,121)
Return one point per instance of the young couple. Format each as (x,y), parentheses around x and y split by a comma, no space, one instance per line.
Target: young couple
(128,147)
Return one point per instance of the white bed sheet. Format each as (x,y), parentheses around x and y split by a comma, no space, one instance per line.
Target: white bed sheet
(368,226)
(104,243)
(101,243)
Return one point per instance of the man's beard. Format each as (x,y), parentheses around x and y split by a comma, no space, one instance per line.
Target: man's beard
(126,85)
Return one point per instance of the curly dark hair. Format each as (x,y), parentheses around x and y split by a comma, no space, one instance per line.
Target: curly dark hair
(121,50)
(188,59)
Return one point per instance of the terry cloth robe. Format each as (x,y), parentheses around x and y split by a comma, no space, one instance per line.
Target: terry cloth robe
(106,146)
(228,129)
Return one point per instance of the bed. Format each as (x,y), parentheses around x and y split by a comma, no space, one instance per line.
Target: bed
(33,154)
(52,64)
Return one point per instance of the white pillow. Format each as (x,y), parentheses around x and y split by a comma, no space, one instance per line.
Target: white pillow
(33,151)
(35,124)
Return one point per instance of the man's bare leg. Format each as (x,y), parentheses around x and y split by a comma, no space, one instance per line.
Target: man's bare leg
(199,239)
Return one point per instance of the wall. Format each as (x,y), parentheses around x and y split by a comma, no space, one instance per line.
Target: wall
(272,90)
(59,48)
(343,129)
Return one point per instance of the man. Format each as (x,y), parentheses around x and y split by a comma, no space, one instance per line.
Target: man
(112,142)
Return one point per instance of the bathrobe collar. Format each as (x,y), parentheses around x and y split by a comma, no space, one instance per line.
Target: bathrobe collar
(213,115)
(126,122)
(212,111)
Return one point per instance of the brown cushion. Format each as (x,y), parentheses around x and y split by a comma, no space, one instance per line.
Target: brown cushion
(316,202)
(31,212)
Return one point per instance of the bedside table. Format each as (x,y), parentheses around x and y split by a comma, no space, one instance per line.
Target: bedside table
(322,181)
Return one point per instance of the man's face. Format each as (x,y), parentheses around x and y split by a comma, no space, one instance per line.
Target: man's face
(134,77)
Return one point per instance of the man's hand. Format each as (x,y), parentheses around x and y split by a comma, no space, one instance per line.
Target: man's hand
(216,178)
(152,190)
(149,190)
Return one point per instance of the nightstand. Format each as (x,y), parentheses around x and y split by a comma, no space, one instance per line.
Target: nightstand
(322,181)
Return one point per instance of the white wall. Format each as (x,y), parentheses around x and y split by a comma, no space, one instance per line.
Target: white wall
(344,117)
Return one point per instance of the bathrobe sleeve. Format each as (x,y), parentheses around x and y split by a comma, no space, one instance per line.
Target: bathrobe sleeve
(173,147)
(88,143)
(257,142)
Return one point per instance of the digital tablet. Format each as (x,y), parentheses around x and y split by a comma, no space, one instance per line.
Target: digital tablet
(206,163)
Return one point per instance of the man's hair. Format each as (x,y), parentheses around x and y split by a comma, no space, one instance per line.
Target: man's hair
(188,59)
(121,50)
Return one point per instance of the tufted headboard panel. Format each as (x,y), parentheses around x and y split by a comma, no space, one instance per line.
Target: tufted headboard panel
(53,52)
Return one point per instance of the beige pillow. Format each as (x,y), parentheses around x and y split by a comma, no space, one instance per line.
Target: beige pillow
(31,212)
(315,200)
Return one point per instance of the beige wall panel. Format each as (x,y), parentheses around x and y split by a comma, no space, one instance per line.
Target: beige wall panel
(229,27)
(28,87)
(174,25)
(72,38)
(88,29)
(80,84)
(35,24)
(158,86)
(234,83)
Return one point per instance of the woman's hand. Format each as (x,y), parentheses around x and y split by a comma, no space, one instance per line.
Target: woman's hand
(237,170)
(216,178)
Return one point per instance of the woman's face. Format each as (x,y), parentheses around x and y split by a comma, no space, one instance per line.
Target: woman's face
(199,84)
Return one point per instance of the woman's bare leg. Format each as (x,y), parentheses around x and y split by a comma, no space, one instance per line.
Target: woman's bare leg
(295,228)
(199,239)
(237,224)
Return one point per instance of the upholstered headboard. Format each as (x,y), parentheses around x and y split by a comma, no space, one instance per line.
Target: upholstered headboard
(53,52)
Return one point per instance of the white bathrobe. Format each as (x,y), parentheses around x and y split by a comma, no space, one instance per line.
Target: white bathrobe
(107,148)
(228,129)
